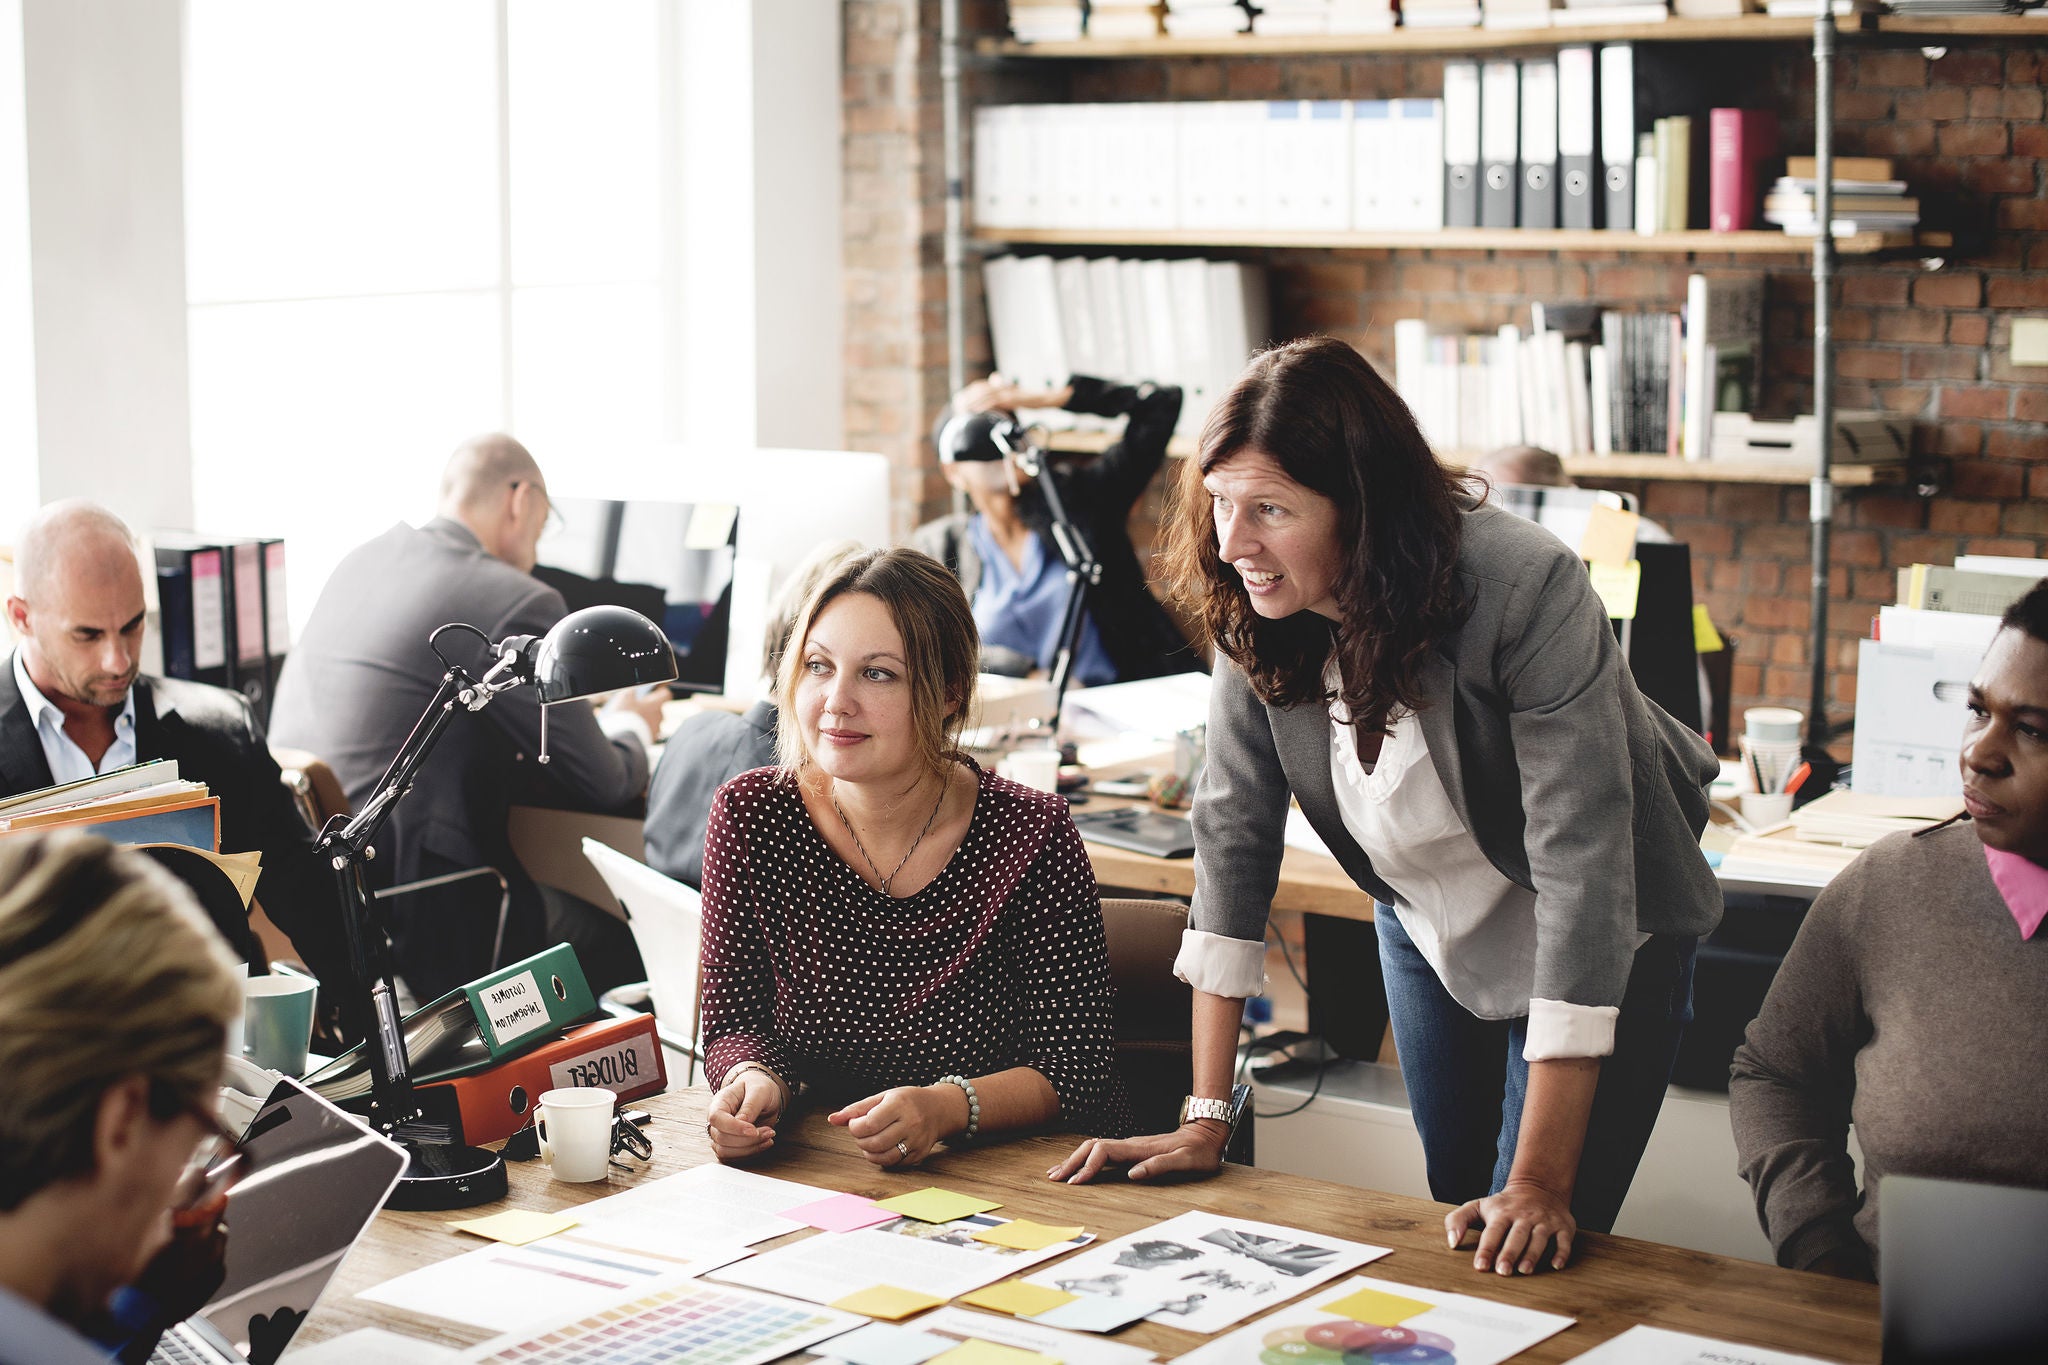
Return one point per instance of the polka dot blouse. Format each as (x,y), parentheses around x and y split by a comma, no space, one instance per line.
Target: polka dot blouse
(999,962)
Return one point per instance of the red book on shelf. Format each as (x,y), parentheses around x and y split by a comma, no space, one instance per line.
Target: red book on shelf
(1740,141)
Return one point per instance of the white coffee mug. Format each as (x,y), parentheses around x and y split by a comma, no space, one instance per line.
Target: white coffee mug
(576,1143)
(1038,768)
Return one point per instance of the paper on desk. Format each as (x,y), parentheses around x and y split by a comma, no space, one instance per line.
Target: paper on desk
(1027,1334)
(881,1343)
(977,1352)
(1026,1235)
(374,1343)
(1207,1270)
(1158,708)
(717,1204)
(505,1287)
(841,1213)
(1096,1315)
(516,1227)
(1655,1346)
(940,1259)
(934,1205)
(1473,1331)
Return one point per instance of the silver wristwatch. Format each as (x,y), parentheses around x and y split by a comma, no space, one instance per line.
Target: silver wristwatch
(1195,1107)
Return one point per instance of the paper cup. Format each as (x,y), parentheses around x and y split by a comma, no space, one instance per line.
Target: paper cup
(1773,724)
(1764,809)
(277,1021)
(577,1145)
(1039,768)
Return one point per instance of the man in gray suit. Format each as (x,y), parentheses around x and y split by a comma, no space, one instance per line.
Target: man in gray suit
(361,673)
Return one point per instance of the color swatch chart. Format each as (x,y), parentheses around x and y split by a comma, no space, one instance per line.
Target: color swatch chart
(702,1323)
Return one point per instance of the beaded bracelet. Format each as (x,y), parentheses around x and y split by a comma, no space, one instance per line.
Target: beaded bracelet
(973,1105)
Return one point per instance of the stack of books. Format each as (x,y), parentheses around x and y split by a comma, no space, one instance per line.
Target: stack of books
(1363,16)
(1206,18)
(1291,18)
(1868,198)
(1440,13)
(1125,19)
(1046,21)
(1583,12)
(147,803)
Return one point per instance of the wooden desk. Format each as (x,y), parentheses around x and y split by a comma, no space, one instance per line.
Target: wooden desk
(1310,883)
(1615,1283)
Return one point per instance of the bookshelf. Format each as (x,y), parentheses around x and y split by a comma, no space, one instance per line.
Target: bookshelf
(1602,242)
(1651,468)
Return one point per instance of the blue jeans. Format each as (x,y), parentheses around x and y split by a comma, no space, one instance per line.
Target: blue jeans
(1467,1081)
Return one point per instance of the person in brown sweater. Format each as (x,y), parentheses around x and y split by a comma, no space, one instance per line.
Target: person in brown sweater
(1914,1002)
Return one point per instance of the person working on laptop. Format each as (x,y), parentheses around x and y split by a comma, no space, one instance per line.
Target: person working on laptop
(1436,682)
(115,1000)
(712,746)
(885,923)
(1914,1002)
(1004,553)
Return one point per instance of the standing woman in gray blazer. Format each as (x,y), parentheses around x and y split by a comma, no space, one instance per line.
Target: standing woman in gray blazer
(1437,685)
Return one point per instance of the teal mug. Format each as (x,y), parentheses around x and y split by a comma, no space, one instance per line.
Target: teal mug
(277,1021)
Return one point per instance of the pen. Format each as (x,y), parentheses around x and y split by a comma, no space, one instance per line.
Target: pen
(1799,775)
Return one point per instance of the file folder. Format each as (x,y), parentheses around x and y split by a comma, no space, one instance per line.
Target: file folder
(1499,143)
(1618,136)
(249,657)
(621,1055)
(1578,152)
(192,587)
(277,622)
(1538,208)
(1461,144)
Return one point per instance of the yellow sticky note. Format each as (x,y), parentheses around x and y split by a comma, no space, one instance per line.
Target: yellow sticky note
(886,1301)
(1610,536)
(517,1227)
(974,1351)
(1376,1308)
(934,1205)
(1025,1235)
(1618,585)
(1705,639)
(1018,1299)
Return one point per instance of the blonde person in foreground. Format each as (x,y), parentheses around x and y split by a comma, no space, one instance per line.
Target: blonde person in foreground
(886,925)
(115,999)
(1914,1002)
(1436,683)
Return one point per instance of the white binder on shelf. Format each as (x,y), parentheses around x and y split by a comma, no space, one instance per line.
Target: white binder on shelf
(1044,364)
(1201,190)
(1306,165)
(1162,337)
(1538,200)
(1238,321)
(1376,181)
(1105,299)
(1418,168)
(1150,161)
(994,177)
(1189,285)
(1461,144)
(1578,150)
(1500,100)
(1078,147)
(1238,133)
(1618,137)
(1130,288)
(1077,316)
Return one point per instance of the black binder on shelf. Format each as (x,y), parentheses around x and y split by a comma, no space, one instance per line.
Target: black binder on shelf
(1461,144)
(1538,207)
(245,610)
(192,586)
(1618,136)
(1578,139)
(1500,107)
(277,624)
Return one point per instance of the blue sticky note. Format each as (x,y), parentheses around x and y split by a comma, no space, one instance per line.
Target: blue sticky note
(1092,1313)
(879,1343)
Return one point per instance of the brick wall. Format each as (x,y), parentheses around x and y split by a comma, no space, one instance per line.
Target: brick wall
(1969,133)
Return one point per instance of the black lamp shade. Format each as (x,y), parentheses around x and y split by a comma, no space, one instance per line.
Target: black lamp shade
(601,649)
(973,437)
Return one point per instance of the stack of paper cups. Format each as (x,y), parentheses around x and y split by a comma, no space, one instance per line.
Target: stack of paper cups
(1770,755)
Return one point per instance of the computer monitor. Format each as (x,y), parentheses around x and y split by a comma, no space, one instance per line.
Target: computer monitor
(673,562)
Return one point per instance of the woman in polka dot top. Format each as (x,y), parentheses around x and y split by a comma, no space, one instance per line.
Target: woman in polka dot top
(884,922)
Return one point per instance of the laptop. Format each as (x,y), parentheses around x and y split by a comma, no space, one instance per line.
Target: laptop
(317,1179)
(1140,830)
(1961,1266)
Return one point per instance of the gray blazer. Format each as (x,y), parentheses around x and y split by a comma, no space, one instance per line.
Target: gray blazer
(353,687)
(1572,783)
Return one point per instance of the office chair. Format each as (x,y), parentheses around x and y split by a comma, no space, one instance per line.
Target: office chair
(667,921)
(1154,1016)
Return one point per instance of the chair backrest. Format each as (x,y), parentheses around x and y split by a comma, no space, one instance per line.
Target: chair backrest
(315,789)
(1154,1008)
(667,920)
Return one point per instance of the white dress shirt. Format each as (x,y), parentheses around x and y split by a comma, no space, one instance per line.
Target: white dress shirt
(67,761)
(29,1336)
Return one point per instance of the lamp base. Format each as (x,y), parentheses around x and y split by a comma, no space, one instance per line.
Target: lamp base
(447,1176)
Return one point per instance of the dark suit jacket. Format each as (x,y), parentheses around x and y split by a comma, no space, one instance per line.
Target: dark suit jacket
(353,688)
(705,750)
(216,739)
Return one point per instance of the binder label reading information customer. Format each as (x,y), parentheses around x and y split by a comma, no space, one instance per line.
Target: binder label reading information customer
(516,1008)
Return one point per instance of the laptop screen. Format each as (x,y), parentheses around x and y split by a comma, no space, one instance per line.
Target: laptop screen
(318,1177)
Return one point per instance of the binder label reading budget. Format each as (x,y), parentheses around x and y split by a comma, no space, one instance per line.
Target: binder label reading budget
(515,1006)
(629,1063)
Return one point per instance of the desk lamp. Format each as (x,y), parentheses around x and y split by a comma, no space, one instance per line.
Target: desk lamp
(985,436)
(598,649)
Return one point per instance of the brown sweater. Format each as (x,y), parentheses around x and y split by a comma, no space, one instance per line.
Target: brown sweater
(1910,1005)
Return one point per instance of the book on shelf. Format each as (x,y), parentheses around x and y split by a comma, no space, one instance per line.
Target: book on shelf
(1046,21)
(1125,19)
(1441,14)
(497,1016)
(1206,18)
(1809,9)
(1939,587)
(1715,9)
(1724,329)
(1635,12)
(1675,172)
(1847,168)
(1291,18)
(1516,14)
(1363,16)
(1739,143)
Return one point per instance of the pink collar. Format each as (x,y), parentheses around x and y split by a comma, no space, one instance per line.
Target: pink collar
(2024,884)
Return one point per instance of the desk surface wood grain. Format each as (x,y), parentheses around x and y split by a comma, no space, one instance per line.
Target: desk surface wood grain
(1614,1282)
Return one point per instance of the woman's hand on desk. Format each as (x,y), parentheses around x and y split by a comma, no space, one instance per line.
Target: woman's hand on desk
(1519,1223)
(1196,1147)
(742,1114)
(900,1127)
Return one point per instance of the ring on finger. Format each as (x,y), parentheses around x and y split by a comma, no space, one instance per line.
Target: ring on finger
(903,1150)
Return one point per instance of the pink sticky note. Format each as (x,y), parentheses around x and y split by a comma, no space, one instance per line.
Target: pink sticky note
(840,1213)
